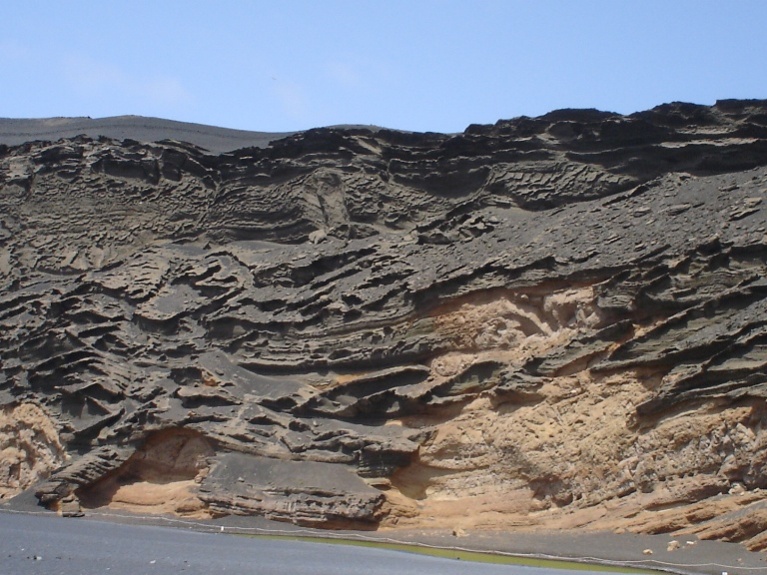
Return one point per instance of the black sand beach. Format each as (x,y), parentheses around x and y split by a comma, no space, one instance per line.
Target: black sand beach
(623,551)
(49,544)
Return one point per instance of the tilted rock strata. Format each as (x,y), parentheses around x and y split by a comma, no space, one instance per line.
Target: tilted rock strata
(554,321)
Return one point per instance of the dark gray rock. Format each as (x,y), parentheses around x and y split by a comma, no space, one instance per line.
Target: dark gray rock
(291,301)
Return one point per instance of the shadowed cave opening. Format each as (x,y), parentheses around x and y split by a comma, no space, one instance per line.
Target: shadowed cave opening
(161,476)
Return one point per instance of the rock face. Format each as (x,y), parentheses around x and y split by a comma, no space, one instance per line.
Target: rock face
(548,322)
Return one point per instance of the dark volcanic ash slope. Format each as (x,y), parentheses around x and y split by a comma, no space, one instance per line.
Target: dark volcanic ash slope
(548,322)
(14,132)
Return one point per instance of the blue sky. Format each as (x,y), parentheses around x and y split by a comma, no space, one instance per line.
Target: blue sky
(422,65)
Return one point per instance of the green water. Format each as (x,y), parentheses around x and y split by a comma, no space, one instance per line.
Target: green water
(474,556)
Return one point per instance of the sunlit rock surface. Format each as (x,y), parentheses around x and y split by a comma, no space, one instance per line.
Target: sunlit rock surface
(548,322)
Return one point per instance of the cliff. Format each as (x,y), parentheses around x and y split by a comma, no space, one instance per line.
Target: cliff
(547,322)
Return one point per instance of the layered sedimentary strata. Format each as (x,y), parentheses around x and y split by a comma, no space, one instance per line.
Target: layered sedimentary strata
(553,321)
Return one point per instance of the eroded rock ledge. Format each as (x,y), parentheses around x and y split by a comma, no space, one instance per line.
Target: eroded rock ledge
(554,321)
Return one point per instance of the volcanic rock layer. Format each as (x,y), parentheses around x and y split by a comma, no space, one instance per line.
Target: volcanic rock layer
(547,322)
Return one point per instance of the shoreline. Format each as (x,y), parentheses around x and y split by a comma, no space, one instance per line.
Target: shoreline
(585,550)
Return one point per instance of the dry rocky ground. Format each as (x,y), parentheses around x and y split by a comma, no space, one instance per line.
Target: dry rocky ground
(550,322)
